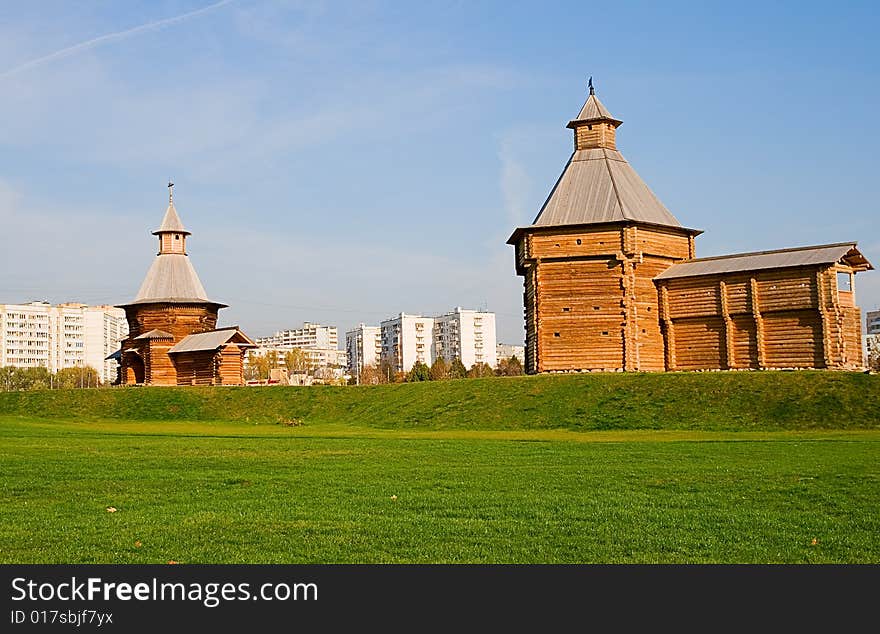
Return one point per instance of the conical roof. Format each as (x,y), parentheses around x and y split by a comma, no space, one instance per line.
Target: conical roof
(171,222)
(171,278)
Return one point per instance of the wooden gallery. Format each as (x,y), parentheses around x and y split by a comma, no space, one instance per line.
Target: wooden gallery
(172,338)
(612,281)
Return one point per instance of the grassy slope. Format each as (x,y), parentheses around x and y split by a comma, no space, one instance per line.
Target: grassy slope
(710,401)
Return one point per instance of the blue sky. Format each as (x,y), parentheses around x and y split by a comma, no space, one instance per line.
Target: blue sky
(342,162)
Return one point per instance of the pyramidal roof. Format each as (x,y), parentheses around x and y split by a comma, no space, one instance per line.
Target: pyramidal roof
(171,277)
(593,110)
(598,185)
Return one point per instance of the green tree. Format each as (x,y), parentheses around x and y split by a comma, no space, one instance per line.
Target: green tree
(297,361)
(509,367)
(419,372)
(439,369)
(479,370)
(37,378)
(69,378)
(457,369)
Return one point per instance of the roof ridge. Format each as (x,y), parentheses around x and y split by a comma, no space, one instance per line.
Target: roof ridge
(614,184)
(769,252)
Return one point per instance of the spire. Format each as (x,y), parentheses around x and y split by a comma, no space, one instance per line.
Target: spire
(593,111)
(171,222)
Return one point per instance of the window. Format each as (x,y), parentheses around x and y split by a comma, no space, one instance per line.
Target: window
(844,281)
(177,236)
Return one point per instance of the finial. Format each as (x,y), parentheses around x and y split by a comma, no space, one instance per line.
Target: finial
(170,191)
(592,91)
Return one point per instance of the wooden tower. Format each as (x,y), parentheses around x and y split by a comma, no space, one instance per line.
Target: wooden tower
(170,309)
(589,258)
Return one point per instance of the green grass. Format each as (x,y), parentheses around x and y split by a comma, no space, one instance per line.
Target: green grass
(508,470)
(732,401)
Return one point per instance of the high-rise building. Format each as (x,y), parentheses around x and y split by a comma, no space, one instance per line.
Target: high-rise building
(872,322)
(363,346)
(407,339)
(309,336)
(466,334)
(69,335)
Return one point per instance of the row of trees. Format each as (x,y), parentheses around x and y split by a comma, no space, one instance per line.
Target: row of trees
(440,370)
(13,379)
(295,361)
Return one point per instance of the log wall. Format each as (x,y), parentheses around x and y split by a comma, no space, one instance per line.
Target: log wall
(778,318)
(589,296)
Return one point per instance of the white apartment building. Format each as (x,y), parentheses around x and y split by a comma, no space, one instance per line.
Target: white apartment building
(69,335)
(309,336)
(872,321)
(466,334)
(505,351)
(321,361)
(363,346)
(407,339)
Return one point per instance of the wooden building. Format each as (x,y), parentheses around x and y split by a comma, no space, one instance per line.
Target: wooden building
(173,339)
(611,281)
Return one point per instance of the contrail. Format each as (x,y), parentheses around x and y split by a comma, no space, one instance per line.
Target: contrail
(110,37)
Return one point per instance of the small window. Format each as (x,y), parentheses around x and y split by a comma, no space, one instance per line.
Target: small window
(596,307)
(177,236)
(566,309)
(844,281)
(589,127)
(578,240)
(604,332)
(555,334)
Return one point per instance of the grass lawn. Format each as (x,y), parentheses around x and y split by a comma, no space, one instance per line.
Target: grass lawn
(232,491)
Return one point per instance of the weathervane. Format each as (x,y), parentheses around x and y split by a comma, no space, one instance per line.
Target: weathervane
(592,92)
(170,191)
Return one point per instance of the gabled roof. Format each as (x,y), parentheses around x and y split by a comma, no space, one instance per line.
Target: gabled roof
(171,222)
(597,186)
(593,110)
(172,278)
(155,333)
(845,252)
(212,340)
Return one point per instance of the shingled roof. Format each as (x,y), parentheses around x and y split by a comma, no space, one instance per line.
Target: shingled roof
(599,186)
(171,277)
(845,252)
(212,340)
(171,222)
(593,110)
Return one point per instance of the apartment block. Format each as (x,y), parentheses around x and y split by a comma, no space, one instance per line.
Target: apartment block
(407,339)
(39,334)
(309,336)
(363,346)
(872,322)
(466,334)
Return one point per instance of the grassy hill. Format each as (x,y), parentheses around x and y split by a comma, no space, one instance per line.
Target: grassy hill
(716,401)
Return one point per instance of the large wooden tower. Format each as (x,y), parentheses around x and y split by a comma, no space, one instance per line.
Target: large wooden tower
(172,338)
(589,258)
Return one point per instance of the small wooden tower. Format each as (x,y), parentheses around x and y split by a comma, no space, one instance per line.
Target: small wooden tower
(170,309)
(589,258)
